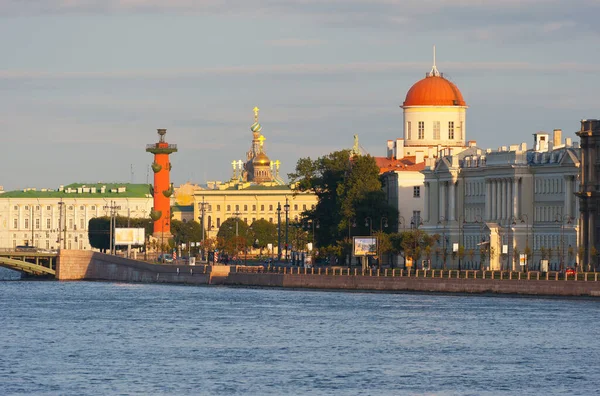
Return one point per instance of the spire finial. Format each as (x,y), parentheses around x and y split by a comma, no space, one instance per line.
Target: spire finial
(256,110)
(434,70)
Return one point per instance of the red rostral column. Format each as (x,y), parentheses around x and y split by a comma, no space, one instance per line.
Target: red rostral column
(162,191)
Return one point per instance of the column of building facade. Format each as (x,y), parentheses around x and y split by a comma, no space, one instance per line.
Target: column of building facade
(494,199)
(442,207)
(452,199)
(509,198)
(515,198)
(427,208)
(488,196)
(568,195)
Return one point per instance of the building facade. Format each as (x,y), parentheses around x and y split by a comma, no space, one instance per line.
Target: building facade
(53,219)
(507,209)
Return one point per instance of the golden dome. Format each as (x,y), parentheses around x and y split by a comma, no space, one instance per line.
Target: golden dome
(261,160)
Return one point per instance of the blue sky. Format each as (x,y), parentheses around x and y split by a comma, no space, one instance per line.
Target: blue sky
(84,84)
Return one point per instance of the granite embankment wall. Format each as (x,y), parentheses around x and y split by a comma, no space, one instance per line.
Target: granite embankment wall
(442,285)
(87,265)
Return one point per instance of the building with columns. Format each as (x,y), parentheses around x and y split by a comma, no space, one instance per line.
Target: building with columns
(589,193)
(490,207)
(434,113)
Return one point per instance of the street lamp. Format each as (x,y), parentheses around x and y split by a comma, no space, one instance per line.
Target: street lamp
(286,207)
(383,222)
(415,222)
(461,242)
(511,225)
(526,221)
(443,221)
(162,240)
(369,223)
(561,218)
(278,231)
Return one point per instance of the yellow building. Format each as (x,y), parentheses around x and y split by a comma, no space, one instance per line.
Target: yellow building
(255,191)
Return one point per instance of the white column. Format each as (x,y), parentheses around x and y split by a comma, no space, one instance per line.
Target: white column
(488,199)
(494,199)
(442,211)
(568,194)
(509,198)
(427,210)
(516,209)
(501,199)
(452,199)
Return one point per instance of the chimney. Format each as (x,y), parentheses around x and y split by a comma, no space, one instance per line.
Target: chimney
(399,149)
(390,149)
(568,142)
(556,137)
(419,157)
(540,141)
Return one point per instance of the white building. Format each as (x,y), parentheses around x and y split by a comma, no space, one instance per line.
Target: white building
(434,124)
(505,204)
(45,217)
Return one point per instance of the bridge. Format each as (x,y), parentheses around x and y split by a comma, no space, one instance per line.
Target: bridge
(30,263)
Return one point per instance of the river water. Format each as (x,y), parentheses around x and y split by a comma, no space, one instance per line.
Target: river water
(76,338)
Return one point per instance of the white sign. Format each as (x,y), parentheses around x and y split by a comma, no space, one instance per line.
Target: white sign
(129,236)
(309,246)
(270,246)
(544,265)
(455,247)
(504,249)
(523,259)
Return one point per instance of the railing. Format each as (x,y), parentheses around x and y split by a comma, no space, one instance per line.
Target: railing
(156,145)
(431,274)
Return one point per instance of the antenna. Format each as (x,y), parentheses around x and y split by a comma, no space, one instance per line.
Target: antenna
(131,170)
(434,71)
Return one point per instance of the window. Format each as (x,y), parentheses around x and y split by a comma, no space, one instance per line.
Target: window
(421,130)
(48,224)
(270,220)
(254,208)
(271,207)
(94,207)
(27,223)
(15,223)
(81,224)
(229,208)
(417,192)
(304,207)
(218,222)
(246,220)
(81,207)
(218,208)
(71,224)
(450,129)
(415,222)
(460,131)
(15,207)
(262,208)
(237,208)
(70,207)
(436,130)
(48,207)
(295,206)
(245,208)
(37,224)
(408,130)
(37,207)
(26,207)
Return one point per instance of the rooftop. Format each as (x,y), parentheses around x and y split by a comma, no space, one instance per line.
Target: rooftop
(84,190)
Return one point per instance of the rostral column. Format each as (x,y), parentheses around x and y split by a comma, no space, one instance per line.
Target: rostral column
(163,189)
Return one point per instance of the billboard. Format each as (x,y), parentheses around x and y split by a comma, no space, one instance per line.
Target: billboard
(365,246)
(129,236)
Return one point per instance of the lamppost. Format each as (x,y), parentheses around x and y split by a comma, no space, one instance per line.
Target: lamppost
(526,221)
(383,222)
(511,225)
(369,223)
(162,240)
(415,222)
(201,218)
(480,221)
(248,230)
(286,207)
(561,218)
(307,224)
(237,219)
(351,223)
(278,231)
(60,221)
(443,221)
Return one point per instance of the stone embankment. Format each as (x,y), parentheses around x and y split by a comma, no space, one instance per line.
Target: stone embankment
(86,265)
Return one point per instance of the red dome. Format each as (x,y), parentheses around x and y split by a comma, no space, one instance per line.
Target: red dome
(434,91)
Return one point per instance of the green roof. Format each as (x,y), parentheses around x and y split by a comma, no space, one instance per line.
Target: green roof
(179,208)
(131,191)
(259,187)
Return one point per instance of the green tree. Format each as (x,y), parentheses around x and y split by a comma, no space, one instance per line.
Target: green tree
(264,232)
(348,190)
(186,232)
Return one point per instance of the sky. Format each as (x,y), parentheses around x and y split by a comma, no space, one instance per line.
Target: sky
(84,84)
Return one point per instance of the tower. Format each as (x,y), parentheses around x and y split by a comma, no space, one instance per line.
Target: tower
(163,189)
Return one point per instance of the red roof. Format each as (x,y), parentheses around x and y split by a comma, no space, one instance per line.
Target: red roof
(406,164)
(434,91)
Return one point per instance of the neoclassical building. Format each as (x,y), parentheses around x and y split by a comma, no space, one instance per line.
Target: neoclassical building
(512,208)
(58,218)
(434,113)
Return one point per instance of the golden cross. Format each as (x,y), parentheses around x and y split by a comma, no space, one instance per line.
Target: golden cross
(277,163)
(262,139)
(256,110)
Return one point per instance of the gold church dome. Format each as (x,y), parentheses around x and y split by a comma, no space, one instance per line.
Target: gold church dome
(261,160)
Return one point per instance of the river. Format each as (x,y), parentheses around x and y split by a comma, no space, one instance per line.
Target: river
(76,338)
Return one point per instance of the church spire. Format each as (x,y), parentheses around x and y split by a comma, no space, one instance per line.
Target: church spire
(434,71)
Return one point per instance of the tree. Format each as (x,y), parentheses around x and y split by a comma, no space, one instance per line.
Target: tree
(186,232)
(414,243)
(264,232)
(348,189)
